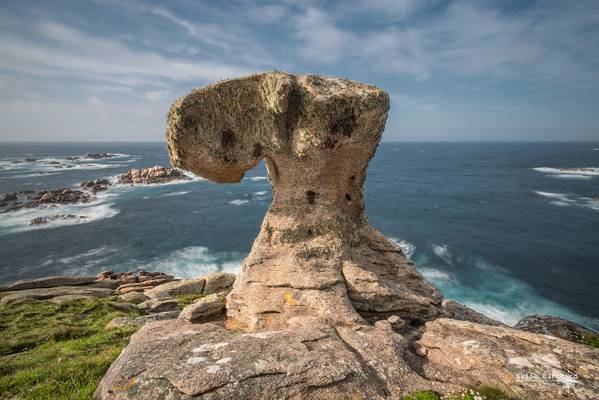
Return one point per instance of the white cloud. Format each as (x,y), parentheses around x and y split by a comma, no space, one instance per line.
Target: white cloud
(74,52)
(323,41)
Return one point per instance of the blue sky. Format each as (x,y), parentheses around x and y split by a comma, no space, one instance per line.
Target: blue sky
(455,70)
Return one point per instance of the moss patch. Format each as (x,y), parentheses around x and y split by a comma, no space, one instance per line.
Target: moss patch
(481,392)
(187,299)
(51,351)
(422,395)
(590,340)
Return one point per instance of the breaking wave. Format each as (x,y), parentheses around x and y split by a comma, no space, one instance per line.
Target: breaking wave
(488,288)
(238,202)
(565,200)
(257,178)
(190,262)
(20,221)
(408,248)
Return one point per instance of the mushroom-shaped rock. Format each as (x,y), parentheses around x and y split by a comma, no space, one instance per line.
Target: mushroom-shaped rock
(316,254)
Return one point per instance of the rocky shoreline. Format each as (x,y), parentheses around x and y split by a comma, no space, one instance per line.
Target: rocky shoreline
(28,199)
(171,308)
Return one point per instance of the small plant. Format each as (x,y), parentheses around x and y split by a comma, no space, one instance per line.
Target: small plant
(422,395)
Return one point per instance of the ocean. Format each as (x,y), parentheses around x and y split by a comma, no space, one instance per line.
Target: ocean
(496,226)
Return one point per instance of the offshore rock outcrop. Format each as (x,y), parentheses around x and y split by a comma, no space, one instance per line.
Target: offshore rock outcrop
(325,307)
(155,174)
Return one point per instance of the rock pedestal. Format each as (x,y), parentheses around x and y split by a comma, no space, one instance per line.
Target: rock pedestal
(316,254)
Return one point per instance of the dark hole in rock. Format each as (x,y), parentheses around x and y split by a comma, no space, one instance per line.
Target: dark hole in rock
(309,232)
(347,197)
(310,196)
(257,150)
(344,125)
(227,138)
(329,143)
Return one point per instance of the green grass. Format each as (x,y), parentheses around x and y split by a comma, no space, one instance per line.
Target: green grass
(590,340)
(50,351)
(486,392)
(422,395)
(187,299)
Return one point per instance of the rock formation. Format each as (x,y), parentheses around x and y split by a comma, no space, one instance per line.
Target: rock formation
(325,307)
(316,254)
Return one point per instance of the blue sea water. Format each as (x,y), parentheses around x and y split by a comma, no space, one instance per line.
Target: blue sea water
(496,226)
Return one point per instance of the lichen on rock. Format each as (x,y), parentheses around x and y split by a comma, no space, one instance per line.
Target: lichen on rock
(316,253)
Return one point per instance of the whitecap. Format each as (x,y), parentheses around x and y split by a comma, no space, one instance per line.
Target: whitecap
(557,196)
(442,251)
(33,175)
(190,262)
(408,248)
(181,193)
(97,209)
(437,276)
(257,178)
(491,290)
(238,202)
(261,193)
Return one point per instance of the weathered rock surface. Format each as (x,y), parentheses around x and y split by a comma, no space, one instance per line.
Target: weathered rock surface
(156,174)
(159,305)
(142,320)
(557,327)
(67,298)
(50,281)
(316,253)
(48,293)
(134,297)
(178,360)
(205,309)
(460,312)
(523,364)
(208,284)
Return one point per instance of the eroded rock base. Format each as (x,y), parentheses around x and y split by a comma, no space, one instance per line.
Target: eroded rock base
(311,359)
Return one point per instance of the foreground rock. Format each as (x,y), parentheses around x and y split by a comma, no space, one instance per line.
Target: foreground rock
(208,308)
(156,174)
(49,293)
(208,284)
(557,327)
(178,360)
(142,320)
(48,282)
(523,364)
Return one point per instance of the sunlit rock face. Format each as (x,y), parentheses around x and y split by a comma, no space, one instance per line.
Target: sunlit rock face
(316,254)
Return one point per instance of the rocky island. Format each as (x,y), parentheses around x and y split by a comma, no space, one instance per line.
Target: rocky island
(325,306)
